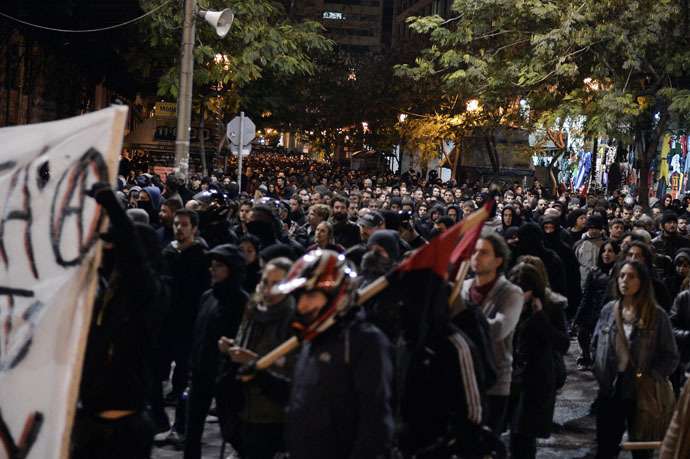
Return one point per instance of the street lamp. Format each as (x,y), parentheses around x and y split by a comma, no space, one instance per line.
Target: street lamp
(221,21)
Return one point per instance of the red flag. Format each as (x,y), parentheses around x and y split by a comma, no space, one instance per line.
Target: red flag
(437,253)
(463,251)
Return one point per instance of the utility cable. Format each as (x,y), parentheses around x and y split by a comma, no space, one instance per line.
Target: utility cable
(52,29)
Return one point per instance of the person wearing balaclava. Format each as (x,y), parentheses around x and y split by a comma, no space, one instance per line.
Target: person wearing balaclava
(551,226)
(114,418)
(150,200)
(381,255)
(220,313)
(531,242)
(264,224)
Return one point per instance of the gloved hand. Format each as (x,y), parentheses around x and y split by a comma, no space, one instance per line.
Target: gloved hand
(98,191)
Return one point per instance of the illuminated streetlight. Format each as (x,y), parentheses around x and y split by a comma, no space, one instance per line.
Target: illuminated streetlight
(472,105)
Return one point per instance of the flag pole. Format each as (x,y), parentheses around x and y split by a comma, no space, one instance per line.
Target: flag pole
(364,295)
(462,272)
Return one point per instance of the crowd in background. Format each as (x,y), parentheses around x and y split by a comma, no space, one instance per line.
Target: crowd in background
(546,267)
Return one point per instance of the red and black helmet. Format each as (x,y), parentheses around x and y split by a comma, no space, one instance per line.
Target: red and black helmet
(324,271)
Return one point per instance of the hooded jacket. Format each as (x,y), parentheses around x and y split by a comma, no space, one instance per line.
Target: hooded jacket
(117,373)
(531,242)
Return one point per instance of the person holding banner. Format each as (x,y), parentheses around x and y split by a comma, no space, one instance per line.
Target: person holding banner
(113,418)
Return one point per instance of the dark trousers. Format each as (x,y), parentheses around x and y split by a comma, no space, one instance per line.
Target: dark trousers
(96,438)
(498,404)
(261,441)
(584,339)
(201,392)
(522,446)
(613,414)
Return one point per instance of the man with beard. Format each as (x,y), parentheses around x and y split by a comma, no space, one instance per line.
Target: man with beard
(188,277)
(345,232)
(370,222)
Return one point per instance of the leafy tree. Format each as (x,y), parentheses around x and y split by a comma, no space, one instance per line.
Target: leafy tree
(264,42)
(617,63)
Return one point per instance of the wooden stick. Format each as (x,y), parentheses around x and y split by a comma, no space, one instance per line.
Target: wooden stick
(459,279)
(637,445)
(292,343)
(372,289)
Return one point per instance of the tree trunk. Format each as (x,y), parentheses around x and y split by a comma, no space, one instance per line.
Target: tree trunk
(490,144)
(646,155)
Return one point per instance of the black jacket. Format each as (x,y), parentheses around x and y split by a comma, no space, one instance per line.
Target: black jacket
(339,405)
(346,233)
(538,336)
(118,372)
(220,313)
(188,277)
(218,233)
(680,323)
(591,304)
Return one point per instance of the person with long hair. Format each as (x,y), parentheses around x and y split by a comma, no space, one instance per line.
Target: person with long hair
(540,332)
(324,239)
(590,306)
(652,351)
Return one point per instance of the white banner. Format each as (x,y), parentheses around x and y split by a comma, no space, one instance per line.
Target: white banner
(48,234)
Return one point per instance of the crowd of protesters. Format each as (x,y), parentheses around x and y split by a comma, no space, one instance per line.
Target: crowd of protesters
(242,269)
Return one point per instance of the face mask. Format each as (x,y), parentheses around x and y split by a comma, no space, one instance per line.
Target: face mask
(374,265)
(146,205)
(262,230)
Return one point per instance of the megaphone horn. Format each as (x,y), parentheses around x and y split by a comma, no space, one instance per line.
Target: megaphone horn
(220,20)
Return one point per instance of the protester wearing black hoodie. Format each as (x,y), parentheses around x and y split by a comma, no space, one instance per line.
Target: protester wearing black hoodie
(113,419)
(220,313)
(531,242)
(552,240)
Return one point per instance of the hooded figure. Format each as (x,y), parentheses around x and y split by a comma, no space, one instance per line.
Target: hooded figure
(381,255)
(220,313)
(509,218)
(531,242)
(553,241)
(153,205)
(118,374)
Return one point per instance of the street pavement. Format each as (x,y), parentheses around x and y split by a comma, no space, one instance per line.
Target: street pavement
(573,436)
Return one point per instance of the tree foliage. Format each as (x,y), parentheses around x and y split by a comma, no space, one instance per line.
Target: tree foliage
(615,62)
(264,41)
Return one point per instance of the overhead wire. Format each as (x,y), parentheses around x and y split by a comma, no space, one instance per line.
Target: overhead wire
(53,29)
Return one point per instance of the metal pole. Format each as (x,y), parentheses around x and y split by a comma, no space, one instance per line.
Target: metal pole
(239,152)
(184,99)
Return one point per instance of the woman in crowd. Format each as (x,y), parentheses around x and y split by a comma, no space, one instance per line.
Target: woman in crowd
(540,332)
(646,332)
(590,306)
(324,239)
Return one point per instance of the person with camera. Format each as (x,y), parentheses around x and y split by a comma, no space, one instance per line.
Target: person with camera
(408,232)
